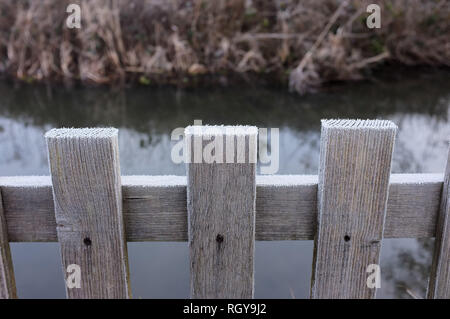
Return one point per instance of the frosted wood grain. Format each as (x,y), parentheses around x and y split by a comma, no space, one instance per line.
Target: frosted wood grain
(354,170)
(154,209)
(221,213)
(7,281)
(84,165)
(439,285)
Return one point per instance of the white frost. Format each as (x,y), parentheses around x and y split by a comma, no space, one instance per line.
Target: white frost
(25,181)
(358,124)
(226,130)
(286,180)
(106,132)
(154,181)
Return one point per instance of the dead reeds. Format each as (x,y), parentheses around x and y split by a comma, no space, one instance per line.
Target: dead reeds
(301,43)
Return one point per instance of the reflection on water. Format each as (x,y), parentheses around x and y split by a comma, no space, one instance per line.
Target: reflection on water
(406,264)
(418,105)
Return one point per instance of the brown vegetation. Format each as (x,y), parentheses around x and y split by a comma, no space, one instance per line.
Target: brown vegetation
(303,43)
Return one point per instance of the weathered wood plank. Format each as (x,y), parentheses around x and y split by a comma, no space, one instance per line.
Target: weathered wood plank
(286,207)
(154,212)
(354,170)
(154,207)
(29,208)
(7,281)
(221,212)
(413,205)
(84,165)
(439,285)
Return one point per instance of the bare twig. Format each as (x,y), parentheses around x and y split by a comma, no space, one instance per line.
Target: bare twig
(322,35)
(374,59)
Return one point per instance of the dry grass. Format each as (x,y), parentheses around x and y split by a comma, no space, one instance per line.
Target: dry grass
(304,43)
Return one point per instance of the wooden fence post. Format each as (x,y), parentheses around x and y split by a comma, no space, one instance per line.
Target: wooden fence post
(7,281)
(354,169)
(84,165)
(439,284)
(221,193)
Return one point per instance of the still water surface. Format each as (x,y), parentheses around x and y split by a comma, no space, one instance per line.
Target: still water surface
(419,105)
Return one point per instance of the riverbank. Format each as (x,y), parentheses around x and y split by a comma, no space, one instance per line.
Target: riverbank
(192,43)
(419,104)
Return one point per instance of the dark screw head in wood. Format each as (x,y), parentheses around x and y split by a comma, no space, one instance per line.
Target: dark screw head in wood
(347,238)
(87,241)
(219,238)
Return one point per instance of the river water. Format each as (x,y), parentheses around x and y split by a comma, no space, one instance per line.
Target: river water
(418,104)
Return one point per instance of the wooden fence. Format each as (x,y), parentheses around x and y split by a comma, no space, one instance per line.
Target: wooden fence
(222,207)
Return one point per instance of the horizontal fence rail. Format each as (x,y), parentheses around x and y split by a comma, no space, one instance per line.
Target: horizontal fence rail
(221,207)
(154,207)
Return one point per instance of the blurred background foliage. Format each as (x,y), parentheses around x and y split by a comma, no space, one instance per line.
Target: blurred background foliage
(298,44)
